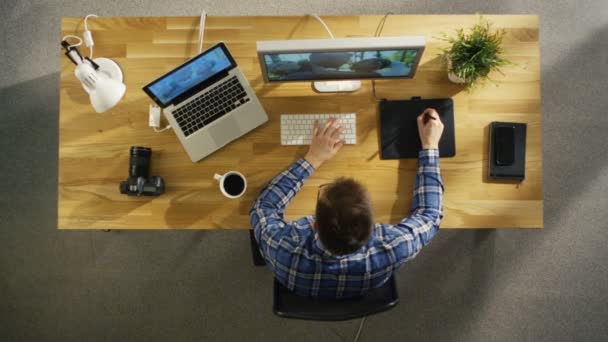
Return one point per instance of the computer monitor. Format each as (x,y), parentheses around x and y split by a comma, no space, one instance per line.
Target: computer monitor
(328,62)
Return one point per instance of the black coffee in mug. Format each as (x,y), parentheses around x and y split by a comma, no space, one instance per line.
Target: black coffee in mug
(234,184)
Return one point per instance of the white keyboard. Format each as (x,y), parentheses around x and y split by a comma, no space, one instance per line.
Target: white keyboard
(296,129)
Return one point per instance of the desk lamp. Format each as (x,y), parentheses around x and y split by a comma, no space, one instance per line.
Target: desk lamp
(101,78)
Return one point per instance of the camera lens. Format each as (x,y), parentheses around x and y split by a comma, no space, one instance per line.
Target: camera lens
(139,161)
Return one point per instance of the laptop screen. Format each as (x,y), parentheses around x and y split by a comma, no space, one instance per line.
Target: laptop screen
(190,76)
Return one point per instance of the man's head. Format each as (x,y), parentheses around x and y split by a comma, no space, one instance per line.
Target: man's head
(344,217)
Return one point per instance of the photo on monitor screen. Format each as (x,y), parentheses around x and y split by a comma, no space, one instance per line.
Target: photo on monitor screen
(340,65)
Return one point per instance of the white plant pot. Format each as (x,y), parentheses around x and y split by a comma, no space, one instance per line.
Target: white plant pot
(452,76)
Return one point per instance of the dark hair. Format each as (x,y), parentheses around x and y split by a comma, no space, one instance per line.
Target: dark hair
(344,216)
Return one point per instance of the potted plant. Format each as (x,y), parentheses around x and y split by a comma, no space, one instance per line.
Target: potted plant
(474,53)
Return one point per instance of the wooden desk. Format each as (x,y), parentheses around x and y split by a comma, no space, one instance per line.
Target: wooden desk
(94,148)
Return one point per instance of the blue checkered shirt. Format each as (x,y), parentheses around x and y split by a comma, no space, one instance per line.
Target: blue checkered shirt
(300,262)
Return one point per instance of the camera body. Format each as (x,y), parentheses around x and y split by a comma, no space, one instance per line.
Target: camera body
(139,183)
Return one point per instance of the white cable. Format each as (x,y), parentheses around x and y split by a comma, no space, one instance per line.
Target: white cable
(201,30)
(359,331)
(324,25)
(379,29)
(154,119)
(161,130)
(88,37)
(74,37)
(86,26)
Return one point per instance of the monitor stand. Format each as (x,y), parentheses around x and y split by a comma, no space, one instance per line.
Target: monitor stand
(336,86)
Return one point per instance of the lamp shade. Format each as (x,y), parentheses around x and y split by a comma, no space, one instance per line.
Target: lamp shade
(104,92)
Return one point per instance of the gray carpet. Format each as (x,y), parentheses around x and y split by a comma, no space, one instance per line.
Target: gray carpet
(507,285)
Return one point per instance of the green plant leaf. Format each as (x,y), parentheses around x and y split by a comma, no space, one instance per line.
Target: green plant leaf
(475,52)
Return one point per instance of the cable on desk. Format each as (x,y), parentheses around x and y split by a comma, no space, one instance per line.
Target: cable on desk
(359,331)
(380,26)
(324,25)
(378,32)
(201,30)
(73,37)
(162,129)
(88,37)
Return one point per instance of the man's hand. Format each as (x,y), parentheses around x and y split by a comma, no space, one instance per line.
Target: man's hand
(325,142)
(430,128)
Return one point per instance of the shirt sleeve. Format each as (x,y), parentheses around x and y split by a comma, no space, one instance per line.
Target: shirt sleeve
(415,231)
(267,211)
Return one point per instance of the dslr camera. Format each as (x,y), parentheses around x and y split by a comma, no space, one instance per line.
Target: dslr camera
(139,182)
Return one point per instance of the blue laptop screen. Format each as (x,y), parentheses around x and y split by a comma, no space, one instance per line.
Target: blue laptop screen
(184,78)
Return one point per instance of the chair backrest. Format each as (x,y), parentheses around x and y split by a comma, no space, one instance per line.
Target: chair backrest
(256,256)
(289,305)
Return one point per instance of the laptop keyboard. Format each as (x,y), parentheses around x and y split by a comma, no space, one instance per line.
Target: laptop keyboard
(210,106)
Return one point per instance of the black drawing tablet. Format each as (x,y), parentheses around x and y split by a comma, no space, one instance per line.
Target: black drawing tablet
(399,131)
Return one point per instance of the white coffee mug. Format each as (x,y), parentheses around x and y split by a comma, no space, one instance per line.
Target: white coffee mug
(222,179)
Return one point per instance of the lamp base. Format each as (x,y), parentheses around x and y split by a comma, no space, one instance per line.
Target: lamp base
(109,68)
(336,86)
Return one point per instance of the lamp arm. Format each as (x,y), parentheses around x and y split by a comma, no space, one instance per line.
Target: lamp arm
(87,76)
(72,52)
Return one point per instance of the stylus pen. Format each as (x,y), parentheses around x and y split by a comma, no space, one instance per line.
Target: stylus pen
(428,116)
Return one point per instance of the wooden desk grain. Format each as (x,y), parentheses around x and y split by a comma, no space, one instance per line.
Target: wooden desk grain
(94,148)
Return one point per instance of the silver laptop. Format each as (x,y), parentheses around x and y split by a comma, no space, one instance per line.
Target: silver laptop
(208,102)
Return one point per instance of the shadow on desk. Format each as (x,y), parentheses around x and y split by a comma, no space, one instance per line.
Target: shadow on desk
(93,207)
(404,190)
(430,82)
(485,172)
(179,213)
(77,94)
(261,179)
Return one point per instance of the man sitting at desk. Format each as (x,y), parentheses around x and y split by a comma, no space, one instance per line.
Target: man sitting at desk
(340,252)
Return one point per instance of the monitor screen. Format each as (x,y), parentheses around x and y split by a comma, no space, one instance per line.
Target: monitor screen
(189,75)
(362,64)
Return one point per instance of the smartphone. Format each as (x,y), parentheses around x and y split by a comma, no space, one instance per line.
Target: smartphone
(504,145)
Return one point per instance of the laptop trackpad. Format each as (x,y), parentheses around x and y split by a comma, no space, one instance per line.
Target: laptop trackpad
(225,130)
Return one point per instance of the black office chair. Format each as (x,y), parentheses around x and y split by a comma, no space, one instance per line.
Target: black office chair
(256,256)
(289,305)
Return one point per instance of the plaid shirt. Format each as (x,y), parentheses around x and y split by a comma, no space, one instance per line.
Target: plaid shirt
(300,262)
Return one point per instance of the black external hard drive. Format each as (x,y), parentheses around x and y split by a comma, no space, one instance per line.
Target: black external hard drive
(507,158)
